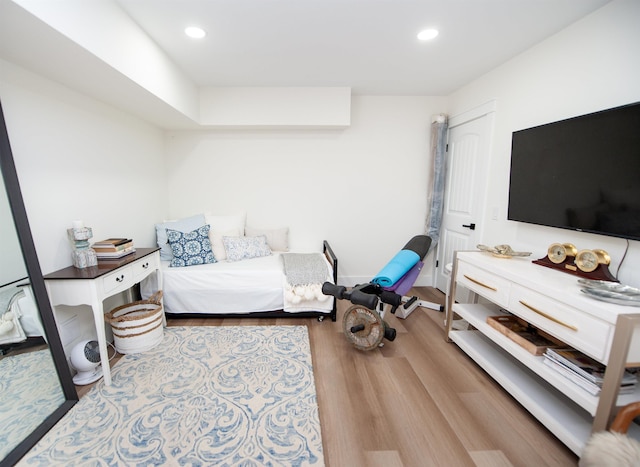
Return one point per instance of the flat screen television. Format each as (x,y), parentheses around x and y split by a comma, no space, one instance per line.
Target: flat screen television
(582,173)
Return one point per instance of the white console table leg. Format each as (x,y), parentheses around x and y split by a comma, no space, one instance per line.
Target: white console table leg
(98,317)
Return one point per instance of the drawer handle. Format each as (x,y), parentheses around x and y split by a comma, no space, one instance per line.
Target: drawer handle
(145,265)
(120,279)
(481,284)
(555,320)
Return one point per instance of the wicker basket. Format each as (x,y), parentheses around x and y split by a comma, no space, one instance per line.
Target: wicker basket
(137,326)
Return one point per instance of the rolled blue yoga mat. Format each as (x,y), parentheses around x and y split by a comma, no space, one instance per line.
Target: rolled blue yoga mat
(406,282)
(396,268)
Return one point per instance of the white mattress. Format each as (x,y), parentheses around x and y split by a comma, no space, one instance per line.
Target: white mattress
(225,287)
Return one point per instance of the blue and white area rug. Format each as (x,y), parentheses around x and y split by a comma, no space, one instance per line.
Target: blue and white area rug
(29,391)
(223,396)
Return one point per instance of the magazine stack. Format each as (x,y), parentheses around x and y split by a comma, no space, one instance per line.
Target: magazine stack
(585,371)
(113,248)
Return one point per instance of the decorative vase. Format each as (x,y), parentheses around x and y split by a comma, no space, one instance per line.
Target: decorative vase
(82,255)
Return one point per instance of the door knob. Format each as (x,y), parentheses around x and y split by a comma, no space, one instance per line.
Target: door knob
(469,226)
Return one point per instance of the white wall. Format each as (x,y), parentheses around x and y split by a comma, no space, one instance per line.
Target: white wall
(260,108)
(106,31)
(13,267)
(79,159)
(362,188)
(589,66)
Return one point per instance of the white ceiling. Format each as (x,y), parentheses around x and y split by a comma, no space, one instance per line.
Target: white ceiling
(368,45)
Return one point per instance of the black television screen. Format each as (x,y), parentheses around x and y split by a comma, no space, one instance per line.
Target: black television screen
(582,173)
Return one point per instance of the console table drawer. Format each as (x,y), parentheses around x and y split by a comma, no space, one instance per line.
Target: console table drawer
(121,278)
(484,283)
(144,266)
(570,325)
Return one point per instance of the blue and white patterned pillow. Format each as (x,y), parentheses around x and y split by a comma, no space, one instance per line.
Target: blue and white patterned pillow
(190,248)
(239,248)
(186,224)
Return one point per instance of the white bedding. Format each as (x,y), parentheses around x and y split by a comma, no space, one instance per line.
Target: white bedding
(19,317)
(239,287)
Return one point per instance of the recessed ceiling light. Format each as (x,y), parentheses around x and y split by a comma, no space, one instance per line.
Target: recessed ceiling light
(427,34)
(195,32)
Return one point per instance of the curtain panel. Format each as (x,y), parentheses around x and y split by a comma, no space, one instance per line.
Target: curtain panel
(435,197)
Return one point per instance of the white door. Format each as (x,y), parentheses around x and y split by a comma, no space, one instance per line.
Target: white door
(465,187)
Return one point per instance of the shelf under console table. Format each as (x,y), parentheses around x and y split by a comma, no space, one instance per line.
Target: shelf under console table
(91,286)
(550,301)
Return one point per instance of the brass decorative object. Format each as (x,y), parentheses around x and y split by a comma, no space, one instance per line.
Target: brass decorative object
(590,264)
(558,252)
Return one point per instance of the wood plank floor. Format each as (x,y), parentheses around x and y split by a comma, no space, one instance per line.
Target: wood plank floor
(416,401)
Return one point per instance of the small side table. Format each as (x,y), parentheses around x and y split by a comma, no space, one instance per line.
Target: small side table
(90,286)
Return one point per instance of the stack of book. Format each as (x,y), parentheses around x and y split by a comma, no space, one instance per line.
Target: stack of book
(113,248)
(585,371)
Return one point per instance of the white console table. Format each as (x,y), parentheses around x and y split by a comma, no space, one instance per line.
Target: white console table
(549,300)
(90,286)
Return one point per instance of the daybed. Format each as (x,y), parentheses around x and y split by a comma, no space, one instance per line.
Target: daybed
(250,272)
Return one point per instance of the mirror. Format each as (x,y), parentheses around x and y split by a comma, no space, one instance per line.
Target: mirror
(35,381)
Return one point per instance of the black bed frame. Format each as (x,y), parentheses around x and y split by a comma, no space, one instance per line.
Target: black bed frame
(321,315)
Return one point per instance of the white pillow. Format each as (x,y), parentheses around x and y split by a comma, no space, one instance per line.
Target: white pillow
(278,239)
(10,329)
(221,226)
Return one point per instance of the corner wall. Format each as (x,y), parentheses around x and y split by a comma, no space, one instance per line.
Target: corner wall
(590,66)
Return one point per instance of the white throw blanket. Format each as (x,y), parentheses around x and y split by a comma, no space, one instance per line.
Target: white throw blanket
(304,275)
